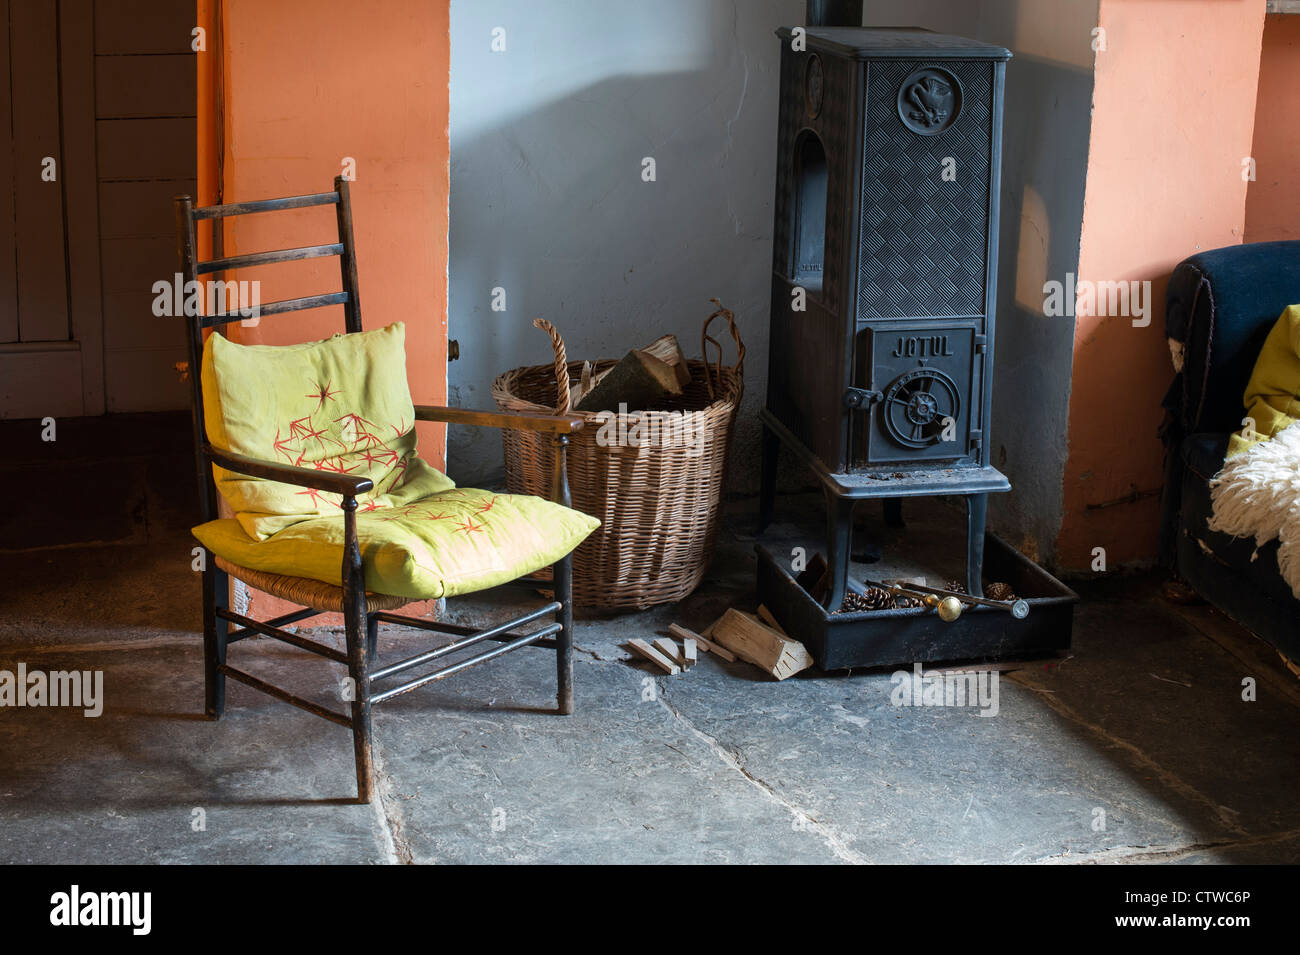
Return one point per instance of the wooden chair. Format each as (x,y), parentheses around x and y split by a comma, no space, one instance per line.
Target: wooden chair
(362,612)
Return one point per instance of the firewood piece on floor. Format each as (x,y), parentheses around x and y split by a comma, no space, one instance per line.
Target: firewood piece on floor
(667,350)
(654,656)
(752,640)
(703,642)
(669,648)
(689,653)
(639,381)
(765,615)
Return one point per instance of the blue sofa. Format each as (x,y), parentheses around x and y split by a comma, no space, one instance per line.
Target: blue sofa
(1219,307)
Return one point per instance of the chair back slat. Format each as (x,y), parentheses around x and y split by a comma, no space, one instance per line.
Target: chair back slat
(277,308)
(191,268)
(267,258)
(265,205)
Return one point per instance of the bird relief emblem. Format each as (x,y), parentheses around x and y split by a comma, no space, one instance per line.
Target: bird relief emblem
(931,98)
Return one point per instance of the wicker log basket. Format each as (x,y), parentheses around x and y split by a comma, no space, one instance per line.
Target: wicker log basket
(658,505)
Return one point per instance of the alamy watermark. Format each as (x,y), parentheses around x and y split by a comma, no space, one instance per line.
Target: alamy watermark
(213,297)
(79,689)
(952,688)
(661,429)
(1131,299)
(76,908)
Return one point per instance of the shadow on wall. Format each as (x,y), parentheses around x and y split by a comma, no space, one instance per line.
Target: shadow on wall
(1045,160)
(550,209)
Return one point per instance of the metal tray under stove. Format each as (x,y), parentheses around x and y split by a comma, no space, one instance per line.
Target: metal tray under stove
(883,638)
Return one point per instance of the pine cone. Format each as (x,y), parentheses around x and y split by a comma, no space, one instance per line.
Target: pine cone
(873,599)
(999,591)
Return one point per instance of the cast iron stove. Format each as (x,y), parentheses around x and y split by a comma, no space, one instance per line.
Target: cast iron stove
(883,279)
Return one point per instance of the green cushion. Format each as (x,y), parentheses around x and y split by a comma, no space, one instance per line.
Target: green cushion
(454,542)
(343,405)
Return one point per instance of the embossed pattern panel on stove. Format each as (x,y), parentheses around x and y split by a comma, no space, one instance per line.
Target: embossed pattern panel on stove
(924,240)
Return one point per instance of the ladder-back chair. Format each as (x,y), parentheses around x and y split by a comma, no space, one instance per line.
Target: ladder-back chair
(362,611)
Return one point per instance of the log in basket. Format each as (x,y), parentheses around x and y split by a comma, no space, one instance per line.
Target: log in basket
(654,479)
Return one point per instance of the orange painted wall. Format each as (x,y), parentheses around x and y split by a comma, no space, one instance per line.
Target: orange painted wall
(1173,114)
(304,86)
(1273,201)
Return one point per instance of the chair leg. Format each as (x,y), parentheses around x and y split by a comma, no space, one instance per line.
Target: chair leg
(563,579)
(359,670)
(372,636)
(216,594)
(357,625)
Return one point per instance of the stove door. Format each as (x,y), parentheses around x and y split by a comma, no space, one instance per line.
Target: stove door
(927,376)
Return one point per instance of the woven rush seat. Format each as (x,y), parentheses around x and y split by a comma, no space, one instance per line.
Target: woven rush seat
(308,593)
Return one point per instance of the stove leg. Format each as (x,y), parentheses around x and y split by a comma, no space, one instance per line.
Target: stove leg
(976,512)
(839,540)
(767,481)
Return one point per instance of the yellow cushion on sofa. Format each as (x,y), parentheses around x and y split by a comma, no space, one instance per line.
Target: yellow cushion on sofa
(1272,398)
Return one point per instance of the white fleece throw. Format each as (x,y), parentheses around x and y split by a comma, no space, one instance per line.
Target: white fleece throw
(1257,494)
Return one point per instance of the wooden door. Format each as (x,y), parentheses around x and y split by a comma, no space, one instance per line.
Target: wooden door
(50,329)
(97,133)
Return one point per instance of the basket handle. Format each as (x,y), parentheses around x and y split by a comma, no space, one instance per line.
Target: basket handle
(705,339)
(561,364)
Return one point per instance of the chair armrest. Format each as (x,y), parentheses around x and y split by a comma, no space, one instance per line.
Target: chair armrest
(511,420)
(349,485)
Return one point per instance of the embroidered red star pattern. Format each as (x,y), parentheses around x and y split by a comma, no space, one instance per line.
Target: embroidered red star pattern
(329,438)
(323,394)
(315,496)
(281,445)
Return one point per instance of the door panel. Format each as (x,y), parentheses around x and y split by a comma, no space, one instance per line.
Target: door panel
(146,148)
(8,265)
(38,204)
(135,87)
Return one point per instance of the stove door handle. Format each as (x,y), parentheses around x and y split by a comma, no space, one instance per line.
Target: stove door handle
(859,398)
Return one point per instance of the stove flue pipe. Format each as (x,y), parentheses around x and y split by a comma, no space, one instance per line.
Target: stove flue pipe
(834,13)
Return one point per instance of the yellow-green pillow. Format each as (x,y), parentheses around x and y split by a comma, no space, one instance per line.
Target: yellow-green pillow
(341,404)
(453,542)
